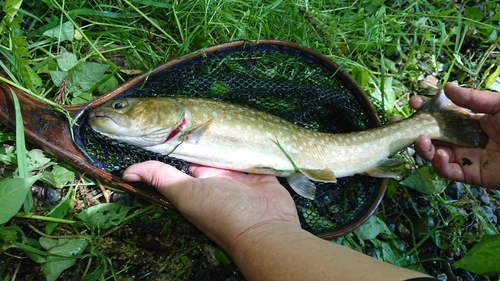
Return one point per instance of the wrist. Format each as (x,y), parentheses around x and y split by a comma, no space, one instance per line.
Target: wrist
(263,236)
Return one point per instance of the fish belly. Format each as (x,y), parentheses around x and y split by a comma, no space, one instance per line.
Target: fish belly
(244,156)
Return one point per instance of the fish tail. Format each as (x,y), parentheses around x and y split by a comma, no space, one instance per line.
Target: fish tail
(455,123)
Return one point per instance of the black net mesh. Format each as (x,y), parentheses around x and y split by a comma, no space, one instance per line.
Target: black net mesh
(280,80)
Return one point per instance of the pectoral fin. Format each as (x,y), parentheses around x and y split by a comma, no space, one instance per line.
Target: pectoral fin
(388,168)
(302,185)
(194,134)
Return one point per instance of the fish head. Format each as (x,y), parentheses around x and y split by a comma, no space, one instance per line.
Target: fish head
(138,121)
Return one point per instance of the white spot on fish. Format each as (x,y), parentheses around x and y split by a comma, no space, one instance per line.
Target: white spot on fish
(214,114)
(261,126)
(294,137)
(249,127)
(240,116)
(205,115)
(229,117)
(238,127)
(196,108)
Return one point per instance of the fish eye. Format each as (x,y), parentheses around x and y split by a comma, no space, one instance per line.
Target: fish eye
(119,104)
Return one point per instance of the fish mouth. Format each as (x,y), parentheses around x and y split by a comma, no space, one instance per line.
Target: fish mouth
(102,114)
(97,119)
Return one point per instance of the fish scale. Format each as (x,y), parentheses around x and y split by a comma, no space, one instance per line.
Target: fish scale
(217,134)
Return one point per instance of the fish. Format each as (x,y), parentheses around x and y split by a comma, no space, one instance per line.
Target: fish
(223,135)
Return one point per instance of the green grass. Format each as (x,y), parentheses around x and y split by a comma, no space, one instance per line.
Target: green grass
(388,47)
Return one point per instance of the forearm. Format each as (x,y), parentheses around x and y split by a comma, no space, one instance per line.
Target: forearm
(286,252)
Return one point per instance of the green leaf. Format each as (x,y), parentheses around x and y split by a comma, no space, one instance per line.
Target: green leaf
(63,32)
(495,86)
(473,13)
(58,177)
(108,85)
(13,193)
(22,162)
(37,160)
(493,35)
(64,252)
(483,258)
(390,65)
(361,75)
(11,8)
(222,256)
(58,76)
(36,253)
(30,77)
(67,61)
(372,228)
(59,211)
(84,76)
(104,216)
(80,97)
(491,78)
(426,181)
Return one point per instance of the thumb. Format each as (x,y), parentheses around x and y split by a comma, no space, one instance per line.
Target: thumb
(166,179)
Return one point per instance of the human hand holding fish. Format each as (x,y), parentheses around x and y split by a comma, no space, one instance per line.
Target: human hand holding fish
(218,199)
(254,219)
(465,164)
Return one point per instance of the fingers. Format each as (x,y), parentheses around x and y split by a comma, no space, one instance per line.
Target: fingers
(424,147)
(479,101)
(416,102)
(167,179)
(445,169)
(440,159)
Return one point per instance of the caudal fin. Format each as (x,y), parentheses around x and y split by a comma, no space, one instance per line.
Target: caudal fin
(455,122)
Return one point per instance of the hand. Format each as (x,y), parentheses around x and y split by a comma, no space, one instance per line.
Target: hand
(450,161)
(223,204)
(254,219)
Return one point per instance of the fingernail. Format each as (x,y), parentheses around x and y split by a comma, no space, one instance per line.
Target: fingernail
(131,177)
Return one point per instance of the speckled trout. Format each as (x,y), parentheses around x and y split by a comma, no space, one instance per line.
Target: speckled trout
(222,135)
